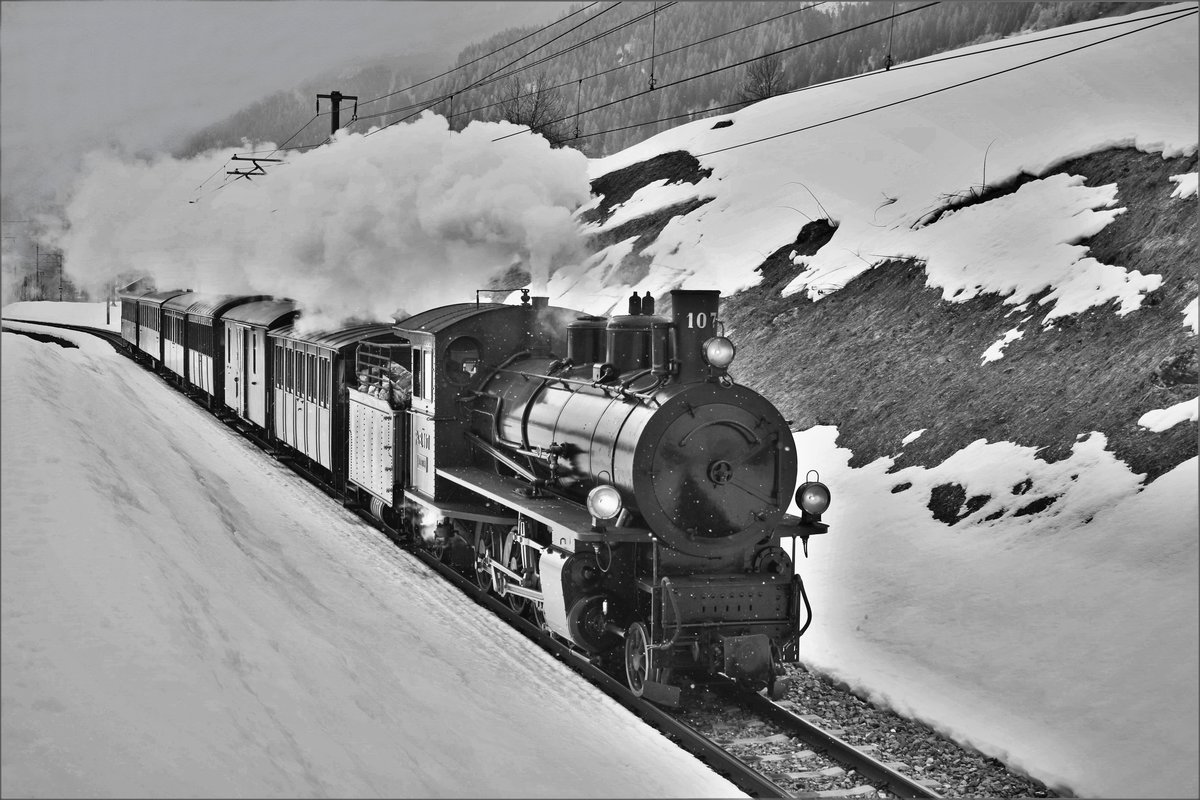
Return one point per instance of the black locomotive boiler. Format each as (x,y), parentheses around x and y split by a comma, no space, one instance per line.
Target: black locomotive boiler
(607,476)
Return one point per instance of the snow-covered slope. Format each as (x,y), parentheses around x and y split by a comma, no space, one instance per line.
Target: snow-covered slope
(182,616)
(877,154)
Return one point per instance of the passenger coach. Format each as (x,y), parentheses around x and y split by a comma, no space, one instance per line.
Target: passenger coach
(206,343)
(150,322)
(248,357)
(310,372)
(129,315)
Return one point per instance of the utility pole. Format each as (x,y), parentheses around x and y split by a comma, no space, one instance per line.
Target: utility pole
(335,99)
(14,265)
(14,238)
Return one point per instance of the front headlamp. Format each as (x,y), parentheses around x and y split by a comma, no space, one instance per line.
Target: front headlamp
(719,352)
(604,502)
(813,498)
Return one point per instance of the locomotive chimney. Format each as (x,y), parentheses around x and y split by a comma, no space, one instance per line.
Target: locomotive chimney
(694,315)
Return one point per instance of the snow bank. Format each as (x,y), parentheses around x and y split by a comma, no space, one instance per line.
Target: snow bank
(183,616)
(1041,639)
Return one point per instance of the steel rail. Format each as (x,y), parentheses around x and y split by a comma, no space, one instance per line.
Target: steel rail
(871,769)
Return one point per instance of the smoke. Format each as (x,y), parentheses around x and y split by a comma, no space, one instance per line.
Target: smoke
(394,221)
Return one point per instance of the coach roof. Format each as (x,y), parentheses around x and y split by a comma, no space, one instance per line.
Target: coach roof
(210,305)
(262,312)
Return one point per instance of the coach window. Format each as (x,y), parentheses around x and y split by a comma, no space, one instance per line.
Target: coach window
(323,388)
(418,377)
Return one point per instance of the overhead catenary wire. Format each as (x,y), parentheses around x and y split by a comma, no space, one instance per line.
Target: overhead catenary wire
(734,65)
(644,59)
(482,57)
(960,84)
(424,103)
(595,16)
(916,65)
(496,78)
(430,102)
(1174,13)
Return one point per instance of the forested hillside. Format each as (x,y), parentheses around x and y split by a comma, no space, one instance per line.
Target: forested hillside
(607,75)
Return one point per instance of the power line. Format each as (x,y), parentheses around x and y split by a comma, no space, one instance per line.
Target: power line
(506,66)
(915,65)
(947,88)
(481,58)
(737,64)
(399,91)
(648,58)
(487,80)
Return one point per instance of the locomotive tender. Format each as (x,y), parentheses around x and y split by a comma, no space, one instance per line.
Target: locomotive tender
(606,476)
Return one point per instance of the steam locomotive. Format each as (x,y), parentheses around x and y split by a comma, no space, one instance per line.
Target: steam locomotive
(607,477)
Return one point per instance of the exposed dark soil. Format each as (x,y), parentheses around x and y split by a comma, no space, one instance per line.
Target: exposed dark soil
(886,356)
(619,185)
(43,337)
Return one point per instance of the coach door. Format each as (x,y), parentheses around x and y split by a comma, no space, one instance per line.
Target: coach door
(234,353)
(254,366)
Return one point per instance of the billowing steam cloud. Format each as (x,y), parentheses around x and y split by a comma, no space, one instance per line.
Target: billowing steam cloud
(406,218)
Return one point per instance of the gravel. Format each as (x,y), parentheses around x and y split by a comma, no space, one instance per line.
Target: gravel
(905,745)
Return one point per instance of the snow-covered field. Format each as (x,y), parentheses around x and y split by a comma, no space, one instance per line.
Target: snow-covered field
(182,616)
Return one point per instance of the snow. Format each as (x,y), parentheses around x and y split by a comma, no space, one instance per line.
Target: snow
(1064,643)
(1185,185)
(1190,315)
(881,174)
(996,351)
(183,616)
(217,628)
(1164,418)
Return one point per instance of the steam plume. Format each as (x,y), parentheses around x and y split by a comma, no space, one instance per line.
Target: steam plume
(408,217)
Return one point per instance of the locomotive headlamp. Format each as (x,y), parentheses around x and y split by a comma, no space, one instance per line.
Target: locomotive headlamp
(719,352)
(604,502)
(813,498)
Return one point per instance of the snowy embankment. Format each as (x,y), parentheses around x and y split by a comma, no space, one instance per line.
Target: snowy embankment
(184,616)
(1063,643)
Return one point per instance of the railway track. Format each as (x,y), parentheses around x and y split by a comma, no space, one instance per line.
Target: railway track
(738,771)
(803,756)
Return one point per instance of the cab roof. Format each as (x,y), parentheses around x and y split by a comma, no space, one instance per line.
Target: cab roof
(262,312)
(438,319)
